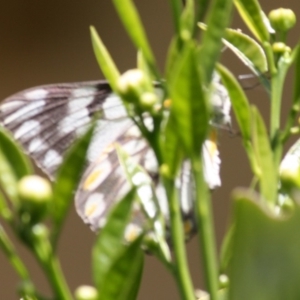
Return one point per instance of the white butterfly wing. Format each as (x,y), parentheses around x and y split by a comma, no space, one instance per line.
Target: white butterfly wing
(46,120)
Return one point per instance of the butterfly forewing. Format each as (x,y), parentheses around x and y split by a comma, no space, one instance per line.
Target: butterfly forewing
(46,120)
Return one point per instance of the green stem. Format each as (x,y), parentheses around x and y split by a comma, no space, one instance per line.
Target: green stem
(57,280)
(206,230)
(44,253)
(277,82)
(181,265)
(13,258)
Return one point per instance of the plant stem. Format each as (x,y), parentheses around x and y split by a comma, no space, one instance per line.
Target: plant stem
(48,260)
(181,265)
(206,230)
(11,253)
(57,280)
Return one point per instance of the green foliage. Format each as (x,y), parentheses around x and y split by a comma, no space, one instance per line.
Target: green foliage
(265,262)
(68,177)
(110,243)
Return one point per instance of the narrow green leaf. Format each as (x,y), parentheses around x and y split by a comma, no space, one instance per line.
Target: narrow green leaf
(294,110)
(133,25)
(172,152)
(217,21)
(265,264)
(201,9)
(13,164)
(189,107)
(67,179)
(176,6)
(173,52)
(123,279)
(226,250)
(104,59)
(15,155)
(268,178)
(140,180)
(251,12)
(143,66)
(110,242)
(296,58)
(247,49)
(239,102)
(187,21)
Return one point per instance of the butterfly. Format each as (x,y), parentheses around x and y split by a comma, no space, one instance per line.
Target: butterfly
(46,120)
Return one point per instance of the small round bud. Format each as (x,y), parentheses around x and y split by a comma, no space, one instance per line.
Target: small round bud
(279,47)
(40,232)
(148,101)
(282,19)
(223,281)
(86,292)
(35,195)
(164,171)
(26,288)
(290,177)
(287,205)
(132,84)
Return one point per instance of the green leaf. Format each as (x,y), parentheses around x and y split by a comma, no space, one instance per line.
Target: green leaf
(176,6)
(110,242)
(13,164)
(217,21)
(104,59)
(187,21)
(140,179)
(67,180)
(123,279)
(296,58)
(239,102)
(251,12)
(265,264)
(189,107)
(172,152)
(294,110)
(268,178)
(133,25)
(173,52)
(226,250)
(247,49)
(202,9)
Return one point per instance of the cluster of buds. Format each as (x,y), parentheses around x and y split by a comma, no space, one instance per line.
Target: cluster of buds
(136,88)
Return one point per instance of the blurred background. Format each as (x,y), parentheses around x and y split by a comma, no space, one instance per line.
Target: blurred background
(48,42)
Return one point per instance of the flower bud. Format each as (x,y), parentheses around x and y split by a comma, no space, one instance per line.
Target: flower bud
(132,84)
(35,195)
(223,281)
(164,171)
(26,288)
(40,232)
(148,101)
(86,292)
(290,177)
(281,48)
(282,19)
